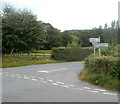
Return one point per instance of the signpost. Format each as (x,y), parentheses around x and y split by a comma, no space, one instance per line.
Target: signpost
(103,45)
(96,44)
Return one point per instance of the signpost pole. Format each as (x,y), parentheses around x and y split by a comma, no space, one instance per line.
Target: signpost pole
(99,52)
(94,50)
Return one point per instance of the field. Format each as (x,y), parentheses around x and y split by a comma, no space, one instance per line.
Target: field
(16,60)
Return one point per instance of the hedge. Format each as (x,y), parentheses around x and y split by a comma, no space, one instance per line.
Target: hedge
(108,65)
(71,54)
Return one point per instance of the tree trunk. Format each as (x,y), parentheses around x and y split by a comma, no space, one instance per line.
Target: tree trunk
(12,51)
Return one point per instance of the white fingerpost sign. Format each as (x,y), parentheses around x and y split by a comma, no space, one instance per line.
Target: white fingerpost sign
(96,44)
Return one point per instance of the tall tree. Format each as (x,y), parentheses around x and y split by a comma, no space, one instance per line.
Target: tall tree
(21,30)
(53,37)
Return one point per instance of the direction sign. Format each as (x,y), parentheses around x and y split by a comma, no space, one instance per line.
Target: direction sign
(94,40)
(103,45)
(98,45)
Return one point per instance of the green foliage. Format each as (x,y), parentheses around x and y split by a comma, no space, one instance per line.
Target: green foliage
(105,64)
(111,51)
(60,53)
(53,37)
(101,79)
(21,31)
(70,54)
(23,61)
(110,34)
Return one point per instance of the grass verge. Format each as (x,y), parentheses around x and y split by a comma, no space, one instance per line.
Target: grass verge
(8,62)
(103,80)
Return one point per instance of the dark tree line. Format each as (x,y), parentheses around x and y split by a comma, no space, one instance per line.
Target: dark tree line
(22,32)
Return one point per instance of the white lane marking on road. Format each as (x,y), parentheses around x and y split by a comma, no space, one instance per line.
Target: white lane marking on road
(60,82)
(70,85)
(34,79)
(55,84)
(50,80)
(0,73)
(100,90)
(43,71)
(94,91)
(65,86)
(78,89)
(86,87)
(105,93)
(58,69)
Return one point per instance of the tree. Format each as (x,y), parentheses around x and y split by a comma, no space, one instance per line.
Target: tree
(53,37)
(110,34)
(67,38)
(21,31)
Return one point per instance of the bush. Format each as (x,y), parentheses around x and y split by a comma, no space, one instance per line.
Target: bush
(60,53)
(101,79)
(111,51)
(71,54)
(104,64)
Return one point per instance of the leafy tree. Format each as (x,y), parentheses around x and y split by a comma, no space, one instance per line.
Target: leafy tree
(53,37)
(110,34)
(21,31)
(67,38)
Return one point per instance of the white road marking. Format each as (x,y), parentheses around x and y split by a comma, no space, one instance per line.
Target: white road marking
(50,80)
(100,90)
(65,86)
(86,87)
(94,91)
(58,69)
(34,79)
(60,82)
(105,93)
(55,84)
(43,71)
(78,89)
(0,73)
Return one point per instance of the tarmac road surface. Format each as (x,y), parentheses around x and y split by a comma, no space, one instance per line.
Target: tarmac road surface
(51,83)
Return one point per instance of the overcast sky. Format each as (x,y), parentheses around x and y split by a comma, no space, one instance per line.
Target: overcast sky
(71,14)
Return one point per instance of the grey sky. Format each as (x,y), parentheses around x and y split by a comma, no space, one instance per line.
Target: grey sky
(71,14)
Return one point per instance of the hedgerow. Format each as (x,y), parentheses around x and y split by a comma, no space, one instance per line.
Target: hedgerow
(70,54)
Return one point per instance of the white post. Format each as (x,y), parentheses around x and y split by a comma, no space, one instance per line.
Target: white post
(99,52)
(94,50)
(99,39)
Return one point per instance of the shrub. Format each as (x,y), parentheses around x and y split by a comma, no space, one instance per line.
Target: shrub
(111,51)
(104,64)
(60,53)
(101,79)
(71,54)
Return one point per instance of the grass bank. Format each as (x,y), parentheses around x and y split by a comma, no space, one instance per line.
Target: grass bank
(16,61)
(103,80)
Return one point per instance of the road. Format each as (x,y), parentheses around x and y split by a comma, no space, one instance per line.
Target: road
(51,83)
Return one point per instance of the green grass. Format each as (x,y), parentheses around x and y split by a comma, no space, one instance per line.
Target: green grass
(44,51)
(16,61)
(103,80)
